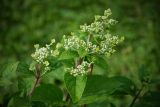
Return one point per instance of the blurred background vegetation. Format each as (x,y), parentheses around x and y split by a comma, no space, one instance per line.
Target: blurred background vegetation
(24,23)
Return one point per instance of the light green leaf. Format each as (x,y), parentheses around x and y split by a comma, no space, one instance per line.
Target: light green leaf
(82,52)
(68,55)
(75,86)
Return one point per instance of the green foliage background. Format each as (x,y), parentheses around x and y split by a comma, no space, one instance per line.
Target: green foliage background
(24,23)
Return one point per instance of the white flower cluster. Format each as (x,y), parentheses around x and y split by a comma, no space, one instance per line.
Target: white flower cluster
(73,43)
(81,69)
(108,44)
(105,46)
(103,43)
(100,24)
(41,54)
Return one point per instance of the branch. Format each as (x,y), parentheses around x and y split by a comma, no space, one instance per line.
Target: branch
(137,96)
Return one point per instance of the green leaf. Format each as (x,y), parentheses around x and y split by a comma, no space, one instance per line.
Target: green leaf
(82,52)
(101,62)
(23,70)
(10,70)
(47,93)
(98,88)
(75,86)
(100,104)
(57,74)
(25,84)
(126,86)
(17,101)
(8,78)
(68,55)
(100,65)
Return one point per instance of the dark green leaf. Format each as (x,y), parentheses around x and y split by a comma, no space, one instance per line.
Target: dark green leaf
(17,101)
(47,93)
(126,86)
(98,88)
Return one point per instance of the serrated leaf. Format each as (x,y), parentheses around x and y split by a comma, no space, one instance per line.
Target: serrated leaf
(75,86)
(47,93)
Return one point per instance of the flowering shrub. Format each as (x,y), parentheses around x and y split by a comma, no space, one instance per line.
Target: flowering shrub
(73,62)
(89,40)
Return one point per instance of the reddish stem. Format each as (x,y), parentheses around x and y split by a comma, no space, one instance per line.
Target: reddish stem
(35,85)
(38,78)
(91,68)
(80,61)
